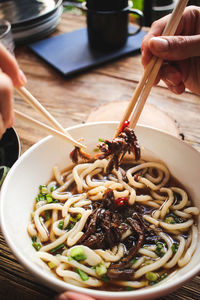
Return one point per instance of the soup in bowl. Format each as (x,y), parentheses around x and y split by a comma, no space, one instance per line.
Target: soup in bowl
(130,233)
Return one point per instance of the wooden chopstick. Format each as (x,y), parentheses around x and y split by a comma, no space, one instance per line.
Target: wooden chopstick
(28,97)
(46,128)
(150,73)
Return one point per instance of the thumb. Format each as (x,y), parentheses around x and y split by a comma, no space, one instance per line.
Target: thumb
(175,47)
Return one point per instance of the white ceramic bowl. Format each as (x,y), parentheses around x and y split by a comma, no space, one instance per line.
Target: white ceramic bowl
(34,168)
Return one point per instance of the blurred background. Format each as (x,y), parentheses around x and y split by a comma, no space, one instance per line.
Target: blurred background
(152,9)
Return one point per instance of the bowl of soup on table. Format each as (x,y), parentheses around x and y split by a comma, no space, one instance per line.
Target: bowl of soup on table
(119,222)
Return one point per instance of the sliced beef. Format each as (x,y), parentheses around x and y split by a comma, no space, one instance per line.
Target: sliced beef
(116,274)
(118,147)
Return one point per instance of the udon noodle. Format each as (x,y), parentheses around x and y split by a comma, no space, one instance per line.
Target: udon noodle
(124,230)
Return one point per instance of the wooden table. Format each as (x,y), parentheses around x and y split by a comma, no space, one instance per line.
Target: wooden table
(71,100)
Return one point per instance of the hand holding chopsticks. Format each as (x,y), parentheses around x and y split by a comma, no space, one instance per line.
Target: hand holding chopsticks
(57,129)
(142,90)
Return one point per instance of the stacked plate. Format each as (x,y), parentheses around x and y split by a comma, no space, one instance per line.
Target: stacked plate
(31,19)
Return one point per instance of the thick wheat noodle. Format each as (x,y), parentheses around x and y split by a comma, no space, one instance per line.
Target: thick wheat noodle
(54,218)
(91,182)
(109,256)
(183,214)
(184,199)
(40,228)
(156,196)
(133,284)
(151,177)
(48,257)
(174,260)
(151,220)
(183,225)
(191,210)
(138,263)
(168,203)
(156,265)
(57,174)
(144,180)
(61,271)
(186,258)
(58,193)
(147,253)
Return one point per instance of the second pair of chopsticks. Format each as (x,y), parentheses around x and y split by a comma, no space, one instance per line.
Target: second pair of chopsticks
(143,89)
(57,129)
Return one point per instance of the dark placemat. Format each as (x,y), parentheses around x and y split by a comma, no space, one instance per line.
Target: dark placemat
(70,53)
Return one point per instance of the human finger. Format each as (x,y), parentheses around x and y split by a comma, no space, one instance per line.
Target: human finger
(156,30)
(2,127)
(158,78)
(175,47)
(73,296)
(8,65)
(171,74)
(189,25)
(179,89)
(6,100)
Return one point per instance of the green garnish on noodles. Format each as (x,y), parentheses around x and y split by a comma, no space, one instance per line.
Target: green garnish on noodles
(78,254)
(82,274)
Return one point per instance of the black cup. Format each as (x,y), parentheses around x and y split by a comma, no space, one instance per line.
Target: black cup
(108,22)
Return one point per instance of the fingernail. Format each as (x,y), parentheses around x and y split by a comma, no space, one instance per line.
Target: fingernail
(159,44)
(22,77)
(171,83)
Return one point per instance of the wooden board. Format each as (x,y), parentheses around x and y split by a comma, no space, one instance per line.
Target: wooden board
(151,116)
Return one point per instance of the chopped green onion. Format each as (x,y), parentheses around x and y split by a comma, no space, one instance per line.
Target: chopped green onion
(96,150)
(49,198)
(3,172)
(56,201)
(70,258)
(34,238)
(78,254)
(43,189)
(72,219)
(61,224)
(51,265)
(37,246)
(78,217)
(175,247)
(170,220)
(40,197)
(151,276)
(70,226)
(129,288)
(159,249)
(148,262)
(82,274)
(52,188)
(101,141)
(57,248)
(105,278)
(133,260)
(176,218)
(101,269)
(163,276)
(47,215)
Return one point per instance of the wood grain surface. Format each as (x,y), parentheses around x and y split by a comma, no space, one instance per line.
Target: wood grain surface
(71,101)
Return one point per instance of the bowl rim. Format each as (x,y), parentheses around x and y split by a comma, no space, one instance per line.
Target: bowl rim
(157,290)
